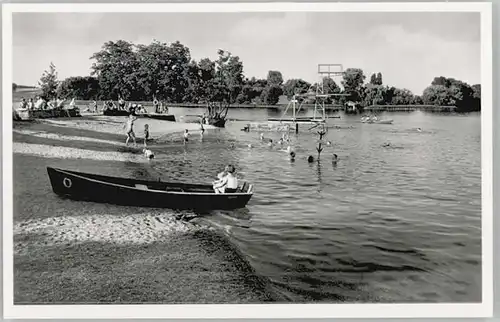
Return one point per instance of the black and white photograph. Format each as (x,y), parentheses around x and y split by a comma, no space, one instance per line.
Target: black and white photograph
(270,154)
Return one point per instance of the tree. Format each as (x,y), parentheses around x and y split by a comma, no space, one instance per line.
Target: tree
(295,86)
(48,83)
(353,80)
(115,68)
(437,95)
(271,94)
(228,81)
(274,78)
(477,91)
(84,88)
(376,79)
(449,91)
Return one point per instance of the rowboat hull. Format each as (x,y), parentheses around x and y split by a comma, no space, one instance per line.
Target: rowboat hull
(304,120)
(162,117)
(110,112)
(130,192)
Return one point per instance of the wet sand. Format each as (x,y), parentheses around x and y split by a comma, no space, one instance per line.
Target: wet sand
(84,253)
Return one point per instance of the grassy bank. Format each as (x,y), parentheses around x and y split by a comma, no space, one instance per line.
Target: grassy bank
(68,252)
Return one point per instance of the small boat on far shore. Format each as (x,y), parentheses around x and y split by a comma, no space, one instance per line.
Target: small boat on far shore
(142,193)
(375,120)
(159,116)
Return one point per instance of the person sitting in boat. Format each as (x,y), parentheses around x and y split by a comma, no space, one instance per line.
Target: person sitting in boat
(228,183)
(156,105)
(146,134)
(110,105)
(121,104)
(72,104)
(40,103)
(148,153)
(186,136)
(31,104)
(23,104)
(163,108)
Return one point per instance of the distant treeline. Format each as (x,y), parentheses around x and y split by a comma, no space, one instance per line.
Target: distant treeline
(167,72)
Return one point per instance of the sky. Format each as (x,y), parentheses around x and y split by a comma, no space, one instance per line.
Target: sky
(409,49)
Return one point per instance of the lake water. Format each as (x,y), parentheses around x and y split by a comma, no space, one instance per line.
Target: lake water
(385,224)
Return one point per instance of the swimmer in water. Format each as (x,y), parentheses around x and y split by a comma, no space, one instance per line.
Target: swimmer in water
(148,153)
(281,141)
(270,144)
(310,159)
(262,136)
(335,158)
(292,156)
(419,129)
(186,136)
(250,146)
(328,143)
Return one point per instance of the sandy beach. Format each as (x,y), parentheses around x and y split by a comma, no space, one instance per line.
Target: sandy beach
(66,252)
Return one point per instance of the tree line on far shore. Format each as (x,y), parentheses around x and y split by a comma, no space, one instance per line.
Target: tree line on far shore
(167,72)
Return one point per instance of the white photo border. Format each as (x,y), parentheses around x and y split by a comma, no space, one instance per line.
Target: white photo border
(483,309)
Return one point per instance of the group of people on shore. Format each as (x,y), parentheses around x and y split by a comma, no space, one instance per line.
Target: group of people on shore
(39,103)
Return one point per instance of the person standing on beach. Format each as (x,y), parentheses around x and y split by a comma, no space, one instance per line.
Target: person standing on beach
(146,134)
(130,129)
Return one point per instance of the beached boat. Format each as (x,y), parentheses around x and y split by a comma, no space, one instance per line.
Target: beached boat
(23,114)
(159,116)
(133,192)
(115,112)
(300,120)
(374,120)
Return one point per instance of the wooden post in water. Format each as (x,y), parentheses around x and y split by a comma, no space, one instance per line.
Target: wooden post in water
(296,128)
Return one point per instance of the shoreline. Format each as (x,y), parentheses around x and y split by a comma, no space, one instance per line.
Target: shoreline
(181,261)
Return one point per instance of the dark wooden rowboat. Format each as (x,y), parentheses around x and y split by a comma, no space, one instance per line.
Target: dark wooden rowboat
(132,192)
(158,116)
(113,112)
